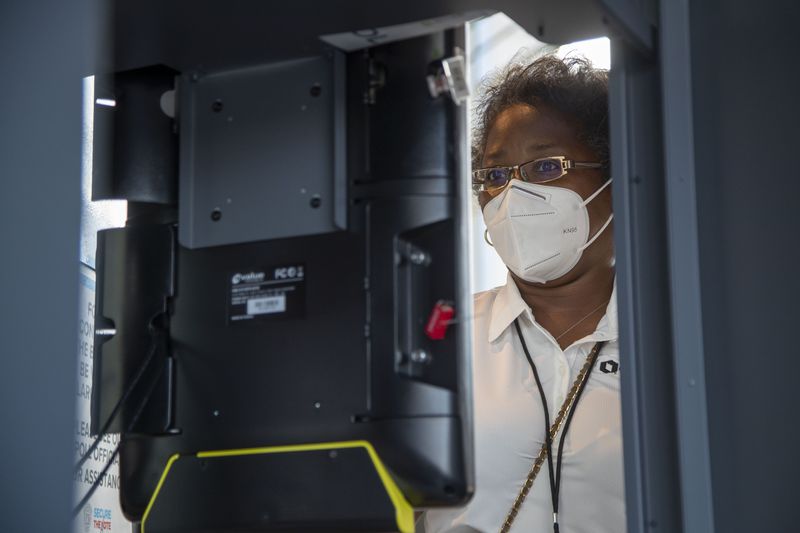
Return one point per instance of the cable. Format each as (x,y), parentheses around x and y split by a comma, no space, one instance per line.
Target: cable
(134,419)
(597,348)
(115,411)
(547,437)
(555,475)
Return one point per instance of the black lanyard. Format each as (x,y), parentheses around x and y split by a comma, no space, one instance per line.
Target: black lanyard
(555,475)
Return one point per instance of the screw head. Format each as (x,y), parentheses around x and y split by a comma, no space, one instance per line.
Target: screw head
(315,202)
(418,257)
(217,106)
(316,90)
(420,356)
(216,214)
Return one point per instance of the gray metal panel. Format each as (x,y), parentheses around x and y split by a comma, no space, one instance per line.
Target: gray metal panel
(44,46)
(464,289)
(257,153)
(651,455)
(339,139)
(687,326)
(745,87)
(216,34)
(636,20)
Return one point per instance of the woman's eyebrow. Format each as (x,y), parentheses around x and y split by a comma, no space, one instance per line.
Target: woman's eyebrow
(494,155)
(490,158)
(540,145)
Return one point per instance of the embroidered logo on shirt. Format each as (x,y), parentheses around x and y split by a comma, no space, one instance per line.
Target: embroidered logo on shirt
(609,367)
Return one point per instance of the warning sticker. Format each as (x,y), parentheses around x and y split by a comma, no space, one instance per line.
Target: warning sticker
(266,293)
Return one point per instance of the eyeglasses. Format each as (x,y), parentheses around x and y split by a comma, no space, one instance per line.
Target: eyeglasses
(494,179)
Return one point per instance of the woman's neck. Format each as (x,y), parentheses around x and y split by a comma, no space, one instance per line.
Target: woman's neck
(572,310)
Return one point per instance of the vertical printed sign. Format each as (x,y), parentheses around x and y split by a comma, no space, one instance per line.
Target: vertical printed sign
(102,513)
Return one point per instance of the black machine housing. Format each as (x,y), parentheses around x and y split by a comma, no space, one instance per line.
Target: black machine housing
(242,338)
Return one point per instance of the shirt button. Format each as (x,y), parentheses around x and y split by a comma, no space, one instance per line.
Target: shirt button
(562,370)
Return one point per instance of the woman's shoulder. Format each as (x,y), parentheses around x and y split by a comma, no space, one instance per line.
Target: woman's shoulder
(483,301)
(487,296)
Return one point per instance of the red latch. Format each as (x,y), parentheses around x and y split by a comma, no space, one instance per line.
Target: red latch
(440,318)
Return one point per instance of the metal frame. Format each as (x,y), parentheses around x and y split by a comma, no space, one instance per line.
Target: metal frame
(633,21)
(687,330)
(668,474)
(463,217)
(651,481)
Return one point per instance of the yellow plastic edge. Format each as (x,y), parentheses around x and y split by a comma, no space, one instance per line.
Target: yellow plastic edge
(171,460)
(404,513)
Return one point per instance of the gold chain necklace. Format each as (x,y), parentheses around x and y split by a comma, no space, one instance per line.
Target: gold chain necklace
(537,464)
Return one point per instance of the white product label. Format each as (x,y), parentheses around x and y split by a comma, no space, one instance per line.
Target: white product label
(269,304)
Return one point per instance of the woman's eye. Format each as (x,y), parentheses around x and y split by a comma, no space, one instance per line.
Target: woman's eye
(497,176)
(546,166)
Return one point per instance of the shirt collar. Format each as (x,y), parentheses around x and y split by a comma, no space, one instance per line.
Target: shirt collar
(508,305)
(608,327)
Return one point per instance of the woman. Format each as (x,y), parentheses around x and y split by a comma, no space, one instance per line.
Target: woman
(546,342)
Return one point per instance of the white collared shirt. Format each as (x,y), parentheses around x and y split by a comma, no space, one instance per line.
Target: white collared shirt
(509,425)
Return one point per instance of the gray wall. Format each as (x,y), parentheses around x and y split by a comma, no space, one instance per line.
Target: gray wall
(43,46)
(746,89)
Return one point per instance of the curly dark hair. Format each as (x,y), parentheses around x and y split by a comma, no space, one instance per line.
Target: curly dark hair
(571,87)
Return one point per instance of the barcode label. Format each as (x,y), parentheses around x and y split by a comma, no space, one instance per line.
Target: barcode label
(268,304)
(258,294)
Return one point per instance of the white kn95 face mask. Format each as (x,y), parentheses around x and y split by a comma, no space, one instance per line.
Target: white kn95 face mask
(540,231)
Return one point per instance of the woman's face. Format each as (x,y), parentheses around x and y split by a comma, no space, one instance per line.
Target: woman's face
(522,133)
